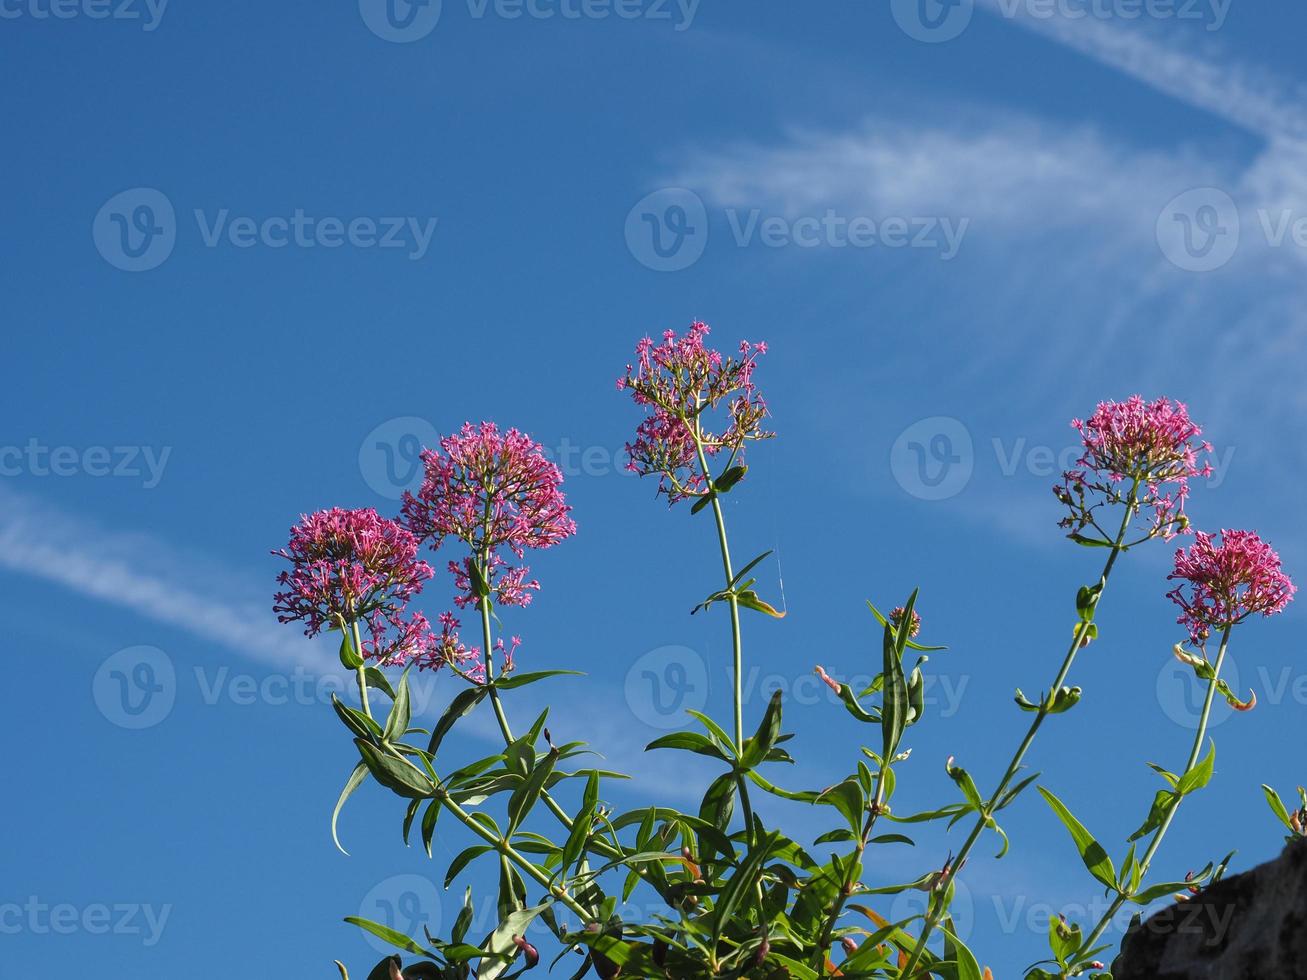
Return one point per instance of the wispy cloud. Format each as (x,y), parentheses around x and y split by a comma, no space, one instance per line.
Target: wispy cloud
(145,575)
(1246,96)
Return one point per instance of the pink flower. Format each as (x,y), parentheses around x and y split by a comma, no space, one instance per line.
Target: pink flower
(896,620)
(1152,444)
(352,566)
(1223,584)
(491,491)
(448,649)
(679,381)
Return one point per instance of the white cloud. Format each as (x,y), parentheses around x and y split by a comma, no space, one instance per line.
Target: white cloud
(1246,96)
(146,576)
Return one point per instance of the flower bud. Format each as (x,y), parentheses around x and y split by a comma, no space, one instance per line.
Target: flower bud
(827,679)
(531,954)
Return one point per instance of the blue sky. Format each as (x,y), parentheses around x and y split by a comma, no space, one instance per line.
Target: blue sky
(252,249)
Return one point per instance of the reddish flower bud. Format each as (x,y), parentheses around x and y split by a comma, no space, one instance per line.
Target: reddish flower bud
(530,952)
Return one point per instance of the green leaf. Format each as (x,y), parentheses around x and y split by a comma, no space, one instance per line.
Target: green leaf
(1063,939)
(477,577)
(429,824)
(1024,703)
(965,783)
(688,742)
(525,796)
(400,712)
(386,934)
(739,576)
(968,968)
(463,703)
(397,775)
(895,704)
(376,679)
(1087,601)
(846,797)
(750,600)
(741,885)
(356,721)
(355,780)
(1091,852)
(463,859)
(1154,892)
(769,730)
(727,480)
(1089,542)
(464,919)
(521,680)
(349,656)
(499,944)
(1200,775)
(1277,806)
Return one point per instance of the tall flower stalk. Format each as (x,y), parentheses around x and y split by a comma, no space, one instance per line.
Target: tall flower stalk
(681,382)
(1221,584)
(1137,456)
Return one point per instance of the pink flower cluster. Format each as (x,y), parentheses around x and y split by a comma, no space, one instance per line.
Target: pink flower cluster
(678,381)
(352,566)
(896,620)
(1153,444)
(1223,584)
(491,491)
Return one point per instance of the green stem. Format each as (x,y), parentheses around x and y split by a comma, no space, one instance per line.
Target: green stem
(1194,755)
(507,851)
(724,545)
(501,716)
(986,814)
(362,668)
(846,886)
(486,641)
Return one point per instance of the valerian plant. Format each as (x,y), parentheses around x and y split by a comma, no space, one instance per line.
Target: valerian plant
(729,896)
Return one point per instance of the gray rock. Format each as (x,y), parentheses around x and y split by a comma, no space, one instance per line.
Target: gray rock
(1251,926)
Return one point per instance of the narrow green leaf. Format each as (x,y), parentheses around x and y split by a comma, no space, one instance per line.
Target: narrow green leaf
(355,780)
(1091,852)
